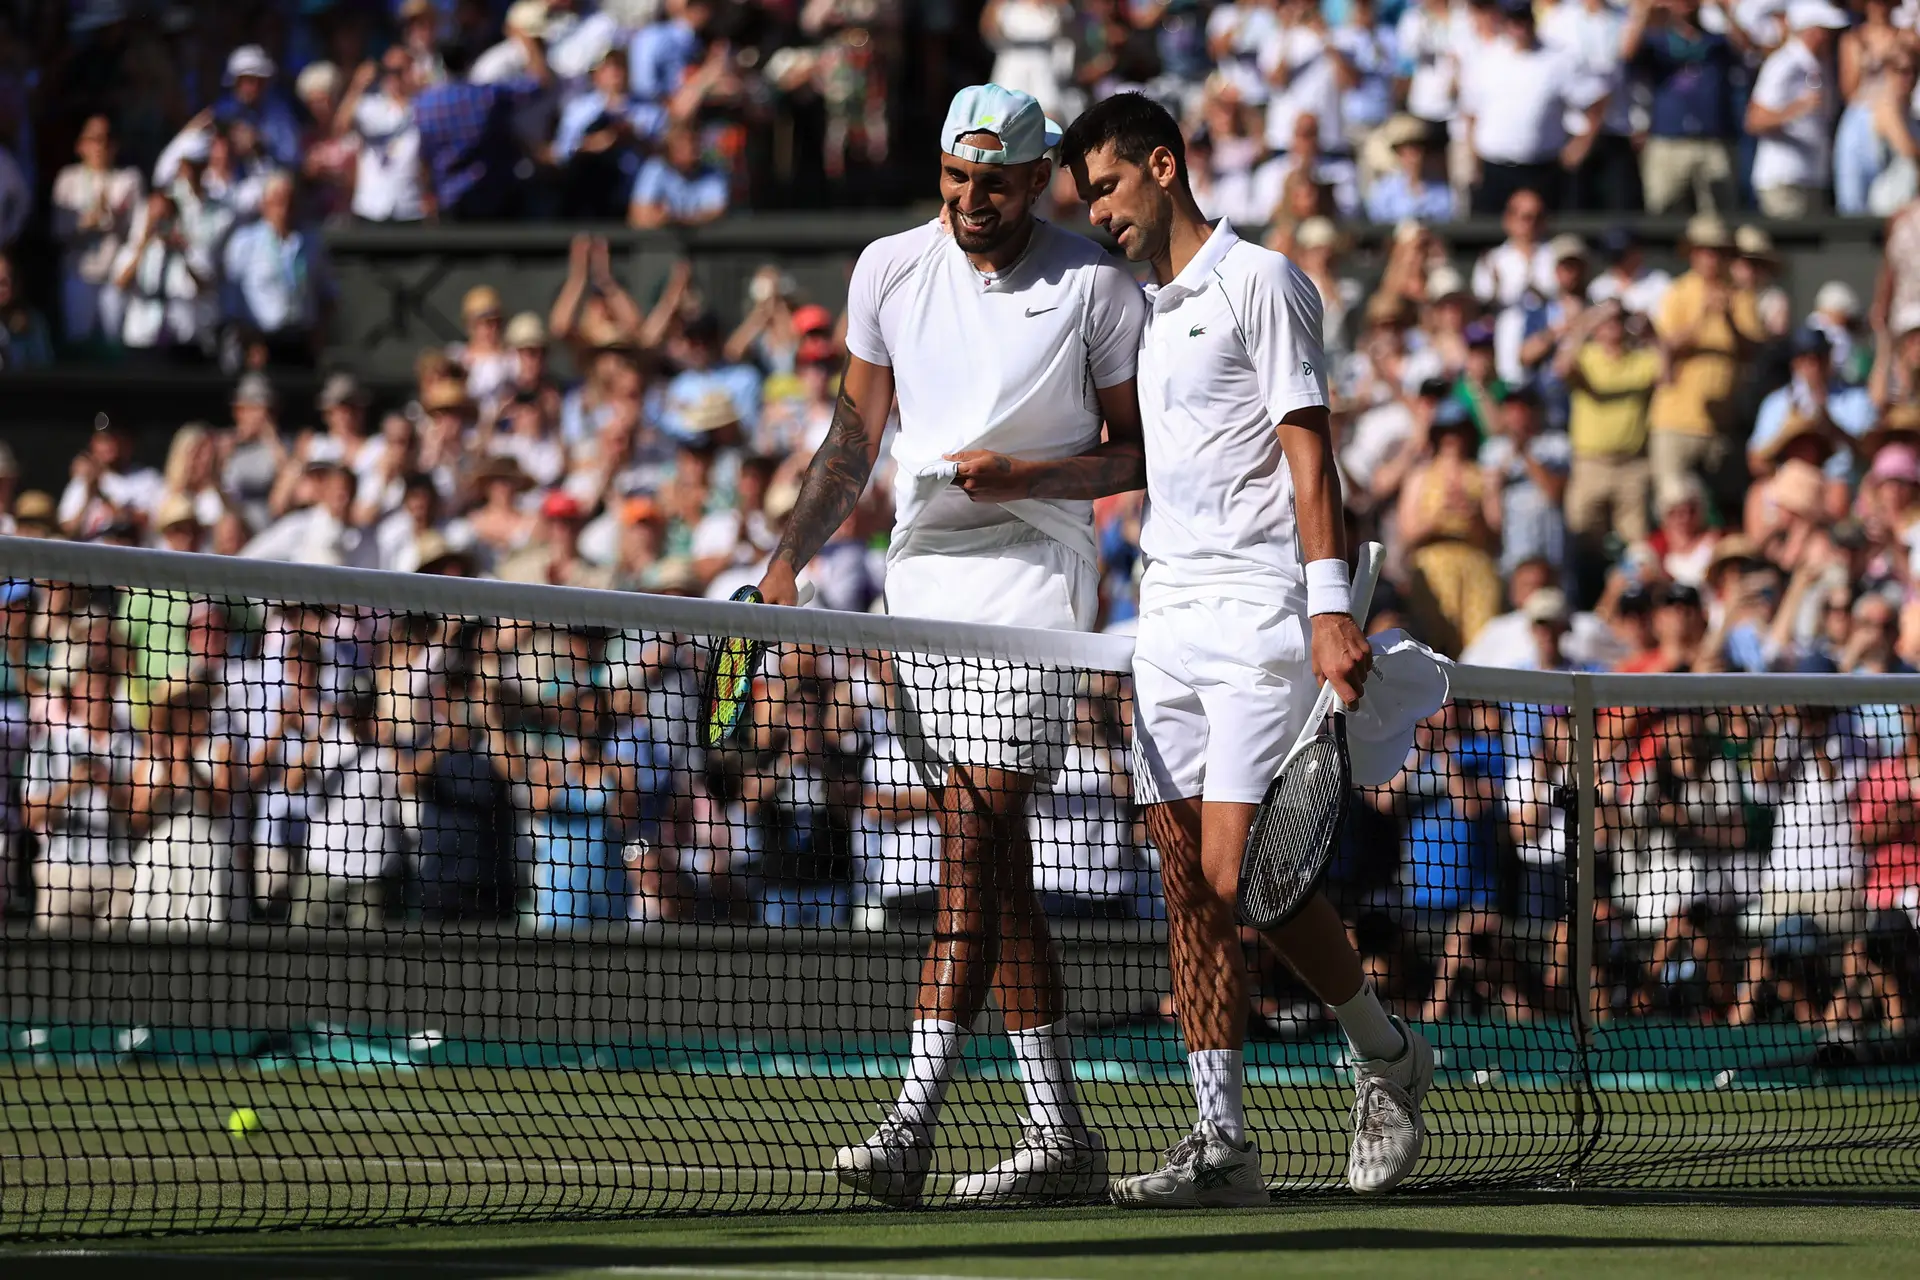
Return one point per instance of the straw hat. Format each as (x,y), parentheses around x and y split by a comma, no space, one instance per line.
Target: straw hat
(447,394)
(1798,426)
(481,300)
(1707,231)
(710,413)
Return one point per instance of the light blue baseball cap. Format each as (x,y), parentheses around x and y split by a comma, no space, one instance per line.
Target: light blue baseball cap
(1015,118)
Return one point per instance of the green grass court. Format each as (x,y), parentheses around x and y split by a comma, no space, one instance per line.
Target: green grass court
(1571,1238)
(558,1161)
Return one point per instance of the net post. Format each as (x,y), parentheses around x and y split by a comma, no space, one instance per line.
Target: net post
(1581,852)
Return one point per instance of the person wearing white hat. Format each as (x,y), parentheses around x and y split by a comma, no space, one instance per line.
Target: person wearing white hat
(1791,114)
(1009,342)
(250,97)
(1244,609)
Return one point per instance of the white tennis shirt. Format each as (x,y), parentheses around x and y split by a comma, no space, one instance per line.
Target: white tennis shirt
(1007,362)
(1232,346)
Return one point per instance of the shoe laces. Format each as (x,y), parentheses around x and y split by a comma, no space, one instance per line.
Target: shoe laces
(1036,1137)
(895,1131)
(1185,1153)
(1380,1108)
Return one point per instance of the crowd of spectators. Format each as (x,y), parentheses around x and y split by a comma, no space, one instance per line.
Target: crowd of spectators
(1576,461)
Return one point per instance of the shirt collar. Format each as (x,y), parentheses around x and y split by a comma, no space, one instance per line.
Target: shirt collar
(1193,276)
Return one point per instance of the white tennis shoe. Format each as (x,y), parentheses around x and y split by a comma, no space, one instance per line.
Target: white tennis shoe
(1388,1129)
(1202,1171)
(891,1165)
(1047,1165)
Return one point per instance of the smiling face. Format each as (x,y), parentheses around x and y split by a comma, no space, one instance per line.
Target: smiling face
(1133,202)
(989,204)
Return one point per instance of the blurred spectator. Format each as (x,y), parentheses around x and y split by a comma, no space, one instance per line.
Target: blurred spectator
(1707,325)
(677,188)
(484,357)
(1792,112)
(322,531)
(353,825)
(16,199)
(553,554)
(1610,385)
(328,158)
(106,487)
(704,373)
(276,277)
(1416,187)
(1687,159)
(76,799)
(251,100)
(1523,260)
(581,803)
(178,814)
(377,115)
(26,342)
(466,820)
(468,143)
(253,449)
(604,135)
(165,286)
(1454,582)
(1874,58)
(1527,478)
(93,213)
(1515,95)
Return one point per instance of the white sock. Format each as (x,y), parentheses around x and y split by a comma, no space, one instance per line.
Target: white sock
(1046,1075)
(936,1047)
(1217,1078)
(1369,1030)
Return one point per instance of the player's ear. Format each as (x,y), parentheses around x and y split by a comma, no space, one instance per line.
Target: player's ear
(1163,168)
(1042,176)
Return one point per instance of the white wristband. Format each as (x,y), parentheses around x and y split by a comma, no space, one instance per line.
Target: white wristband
(1329,587)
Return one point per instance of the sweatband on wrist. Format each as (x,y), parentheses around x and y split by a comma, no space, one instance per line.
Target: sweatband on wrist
(1329,587)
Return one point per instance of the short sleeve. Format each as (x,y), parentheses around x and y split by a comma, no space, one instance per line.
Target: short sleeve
(1282,319)
(1554,451)
(864,293)
(1773,87)
(1117,316)
(1672,315)
(647,184)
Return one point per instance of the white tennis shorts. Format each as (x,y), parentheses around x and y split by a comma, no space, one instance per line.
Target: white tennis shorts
(989,713)
(1220,691)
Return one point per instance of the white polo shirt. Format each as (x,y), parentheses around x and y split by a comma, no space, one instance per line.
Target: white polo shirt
(1232,346)
(1008,362)
(1800,152)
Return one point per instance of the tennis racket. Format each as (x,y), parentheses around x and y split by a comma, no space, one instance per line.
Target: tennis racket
(1298,822)
(731,667)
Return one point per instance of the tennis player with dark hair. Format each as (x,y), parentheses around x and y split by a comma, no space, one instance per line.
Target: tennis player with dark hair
(1244,608)
(1008,342)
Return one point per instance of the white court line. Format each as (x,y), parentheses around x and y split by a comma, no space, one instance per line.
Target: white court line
(518,1268)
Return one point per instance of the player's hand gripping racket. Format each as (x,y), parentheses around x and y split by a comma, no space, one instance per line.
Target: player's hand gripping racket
(731,667)
(1298,823)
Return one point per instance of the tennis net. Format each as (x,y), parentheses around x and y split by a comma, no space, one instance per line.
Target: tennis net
(342,898)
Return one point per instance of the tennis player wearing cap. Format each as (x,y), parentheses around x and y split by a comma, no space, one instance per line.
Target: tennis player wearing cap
(1243,610)
(1008,342)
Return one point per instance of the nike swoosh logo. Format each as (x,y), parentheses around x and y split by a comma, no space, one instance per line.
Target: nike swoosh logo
(1040,311)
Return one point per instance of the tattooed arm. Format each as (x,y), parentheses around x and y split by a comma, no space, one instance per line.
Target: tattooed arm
(1115,465)
(836,475)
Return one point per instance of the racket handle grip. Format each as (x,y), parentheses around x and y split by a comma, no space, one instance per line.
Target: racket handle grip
(1366,576)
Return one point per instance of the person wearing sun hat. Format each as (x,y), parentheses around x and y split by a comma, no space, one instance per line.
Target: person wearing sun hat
(1811,403)
(1010,344)
(1710,325)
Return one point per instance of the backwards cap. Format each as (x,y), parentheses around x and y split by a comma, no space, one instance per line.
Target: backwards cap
(1015,118)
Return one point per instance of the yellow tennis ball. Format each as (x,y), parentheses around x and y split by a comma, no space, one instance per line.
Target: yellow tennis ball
(243,1121)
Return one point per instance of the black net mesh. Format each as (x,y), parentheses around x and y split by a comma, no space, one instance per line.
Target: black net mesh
(347,915)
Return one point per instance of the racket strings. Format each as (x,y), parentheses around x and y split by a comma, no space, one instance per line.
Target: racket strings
(1293,833)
